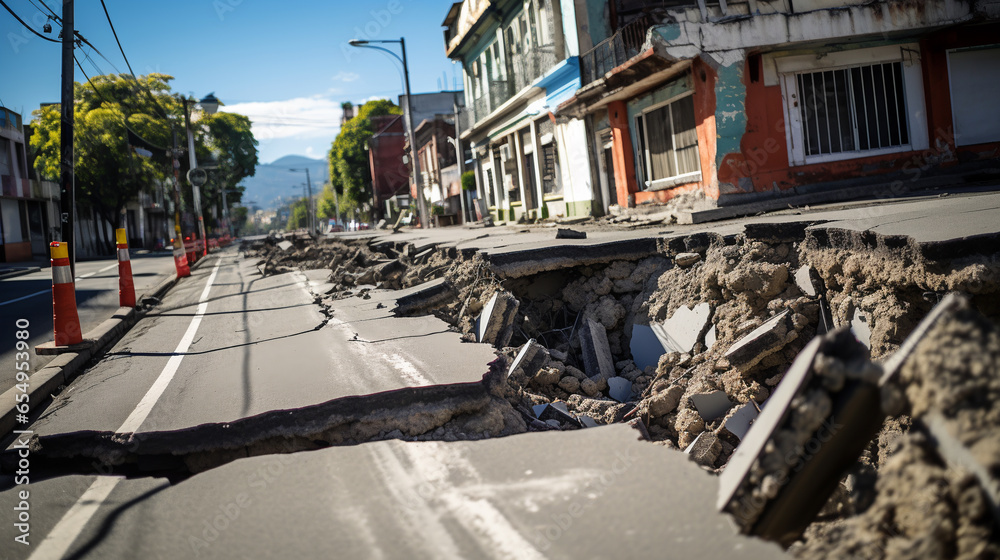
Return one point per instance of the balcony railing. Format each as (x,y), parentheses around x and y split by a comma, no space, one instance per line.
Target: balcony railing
(526,68)
(614,51)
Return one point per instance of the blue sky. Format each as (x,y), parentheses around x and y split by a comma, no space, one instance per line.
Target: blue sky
(285,64)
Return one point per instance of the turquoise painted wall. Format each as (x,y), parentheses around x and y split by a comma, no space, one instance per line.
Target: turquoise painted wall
(597,24)
(730,110)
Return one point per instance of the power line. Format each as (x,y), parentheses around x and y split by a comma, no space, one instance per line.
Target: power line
(26,26)
(115,33)
(58,19)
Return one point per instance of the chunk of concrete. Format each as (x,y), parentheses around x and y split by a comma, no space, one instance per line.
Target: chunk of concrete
(588,421)
(765,339)
(566,233)
(529,359)
(285,245)
(558,412)
(597,360)
(685,260)
(681,331)
(711,405)
(739,422)
(710,338)
(861,327)
(620,389)
(807,281)
(496,323)
(705,449)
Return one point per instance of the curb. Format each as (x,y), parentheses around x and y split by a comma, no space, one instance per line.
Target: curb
(15,272)
(63,369)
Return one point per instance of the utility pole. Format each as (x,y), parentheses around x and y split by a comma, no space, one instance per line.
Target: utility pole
(461,158)
(309,205)
(421,203)
(178,236)
(193,160)
(67,201)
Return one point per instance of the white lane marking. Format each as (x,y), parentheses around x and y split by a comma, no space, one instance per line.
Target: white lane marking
(107,268)
(62,536)
(22,298)
(58,541)
(144,407)
(87,275)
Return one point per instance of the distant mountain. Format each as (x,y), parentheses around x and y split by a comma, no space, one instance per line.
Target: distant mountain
(274,183)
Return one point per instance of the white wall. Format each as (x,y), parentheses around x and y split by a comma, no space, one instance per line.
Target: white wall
(574,160)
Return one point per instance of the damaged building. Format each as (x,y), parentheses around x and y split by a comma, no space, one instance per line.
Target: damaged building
(582,106)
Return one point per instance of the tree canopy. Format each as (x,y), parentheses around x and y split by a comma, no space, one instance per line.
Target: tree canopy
(350,174)
(114,112)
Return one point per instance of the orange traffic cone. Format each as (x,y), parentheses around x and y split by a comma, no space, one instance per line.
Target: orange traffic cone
(180,259)
(126,288)
(65,320)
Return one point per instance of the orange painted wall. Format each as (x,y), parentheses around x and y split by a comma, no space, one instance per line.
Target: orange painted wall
(762,164)
(704,79)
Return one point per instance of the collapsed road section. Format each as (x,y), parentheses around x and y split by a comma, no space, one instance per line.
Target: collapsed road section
(747,349)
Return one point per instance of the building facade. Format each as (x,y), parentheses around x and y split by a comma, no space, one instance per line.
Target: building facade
(29,208)
(762,99)
(520,61)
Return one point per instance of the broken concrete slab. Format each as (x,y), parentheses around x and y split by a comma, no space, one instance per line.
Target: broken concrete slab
(711,405)
(596,353)
(496,323)
(705,449)
(762,341)
(685,260)
(557,412)
(566,233)
(529,359)
(792,459)
(739,421)
(588,421)
(620,389)
(679,333)
(807,280)
(285,245)
(682,330)
(710,338)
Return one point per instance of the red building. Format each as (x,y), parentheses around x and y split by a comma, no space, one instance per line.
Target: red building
(390,176)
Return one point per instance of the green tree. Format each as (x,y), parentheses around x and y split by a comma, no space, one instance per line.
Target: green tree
(350,174)
(326,204)
(299,217)
(107,172)
(227,139)
(112,112)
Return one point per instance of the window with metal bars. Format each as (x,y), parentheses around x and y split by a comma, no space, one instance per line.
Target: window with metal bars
(853,109)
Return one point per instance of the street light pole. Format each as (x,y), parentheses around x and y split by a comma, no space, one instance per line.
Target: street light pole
(421,203)
(310,215)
